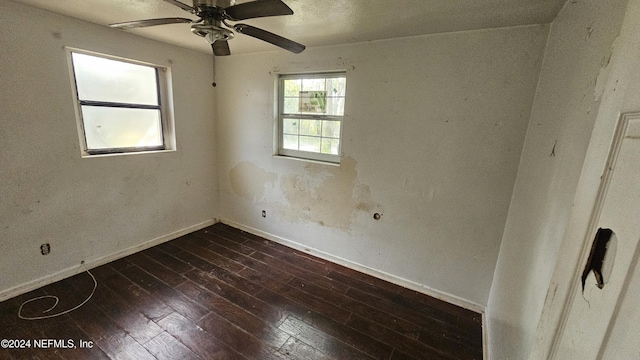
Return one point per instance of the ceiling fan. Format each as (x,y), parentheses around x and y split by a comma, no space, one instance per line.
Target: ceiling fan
(213,23)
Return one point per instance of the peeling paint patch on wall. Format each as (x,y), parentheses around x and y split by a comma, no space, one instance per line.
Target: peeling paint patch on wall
(327,195)
(333,202)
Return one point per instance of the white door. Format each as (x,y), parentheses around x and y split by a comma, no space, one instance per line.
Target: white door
(604,323)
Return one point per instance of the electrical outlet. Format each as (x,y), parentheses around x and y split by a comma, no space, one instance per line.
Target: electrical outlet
(45,249)
(264,213)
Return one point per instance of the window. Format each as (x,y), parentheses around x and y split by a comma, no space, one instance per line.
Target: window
(121,104)
(311,108)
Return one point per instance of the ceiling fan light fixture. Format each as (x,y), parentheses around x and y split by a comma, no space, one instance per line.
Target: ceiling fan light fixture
(212,33)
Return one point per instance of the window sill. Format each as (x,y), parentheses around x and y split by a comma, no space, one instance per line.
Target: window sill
(320,162)
(88,156)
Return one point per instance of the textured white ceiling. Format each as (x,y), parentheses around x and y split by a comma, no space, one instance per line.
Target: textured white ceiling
(321,22)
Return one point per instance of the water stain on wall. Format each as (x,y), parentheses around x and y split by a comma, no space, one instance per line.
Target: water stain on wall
(327,195)
(248,180)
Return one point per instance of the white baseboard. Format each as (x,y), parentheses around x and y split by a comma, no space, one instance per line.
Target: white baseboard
(409,284)
(68,272)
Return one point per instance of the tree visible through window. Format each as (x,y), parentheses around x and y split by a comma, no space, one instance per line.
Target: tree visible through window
(120,104)
(311,109)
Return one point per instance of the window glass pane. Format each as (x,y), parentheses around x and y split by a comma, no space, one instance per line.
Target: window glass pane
(331,129)
(310,127)
(290,142)
(335,106)
(313,84)
(336,86)
(291,105)
(292,87)
(107,127)
(330,146)
(107,80)
(290,126)
(313,102)
(308,143)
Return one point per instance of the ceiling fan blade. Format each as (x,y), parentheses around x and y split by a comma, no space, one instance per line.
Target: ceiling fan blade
(221,48)
(269,37)
(184,7)
(149,22)
(258,8)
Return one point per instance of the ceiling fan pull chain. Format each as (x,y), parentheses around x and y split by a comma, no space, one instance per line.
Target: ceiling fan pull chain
(214,70)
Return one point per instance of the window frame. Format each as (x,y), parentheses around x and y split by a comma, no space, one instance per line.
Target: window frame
(164,106)
(281,115)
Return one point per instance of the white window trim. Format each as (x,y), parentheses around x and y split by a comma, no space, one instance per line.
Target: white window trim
(299,154)
(165,103)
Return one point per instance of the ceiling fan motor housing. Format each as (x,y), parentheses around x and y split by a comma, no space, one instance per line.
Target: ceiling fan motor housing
(212,29)
(214,3)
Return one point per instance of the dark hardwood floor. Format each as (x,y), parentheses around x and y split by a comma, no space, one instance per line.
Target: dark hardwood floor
(220,293)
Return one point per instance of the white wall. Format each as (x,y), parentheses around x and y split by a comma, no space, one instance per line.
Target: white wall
(568,98)
(621,93)
(90,209)
(433,131)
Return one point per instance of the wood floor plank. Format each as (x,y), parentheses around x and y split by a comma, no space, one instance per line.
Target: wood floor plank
(123,346)
(166,347)
(143,279)
(223,293)
(399,355)
(197,246)
(404,313)
(158,270)
(215,272)
(394,300)
(323,342)
(320,280)
(130,293)
(327,326)
(287,306)
(222,306)
(169,248)
(241,341)
(445,306)
(135,324)
(323,307)
(169,261)
(164,293)
(392,322)
(99,328)
(297,349)
(351,336)
(231,242)
(257,271)
(376,283)
(231,232)
(205,345)
(107,335)
(291,256)
(412,347)
(246,301)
